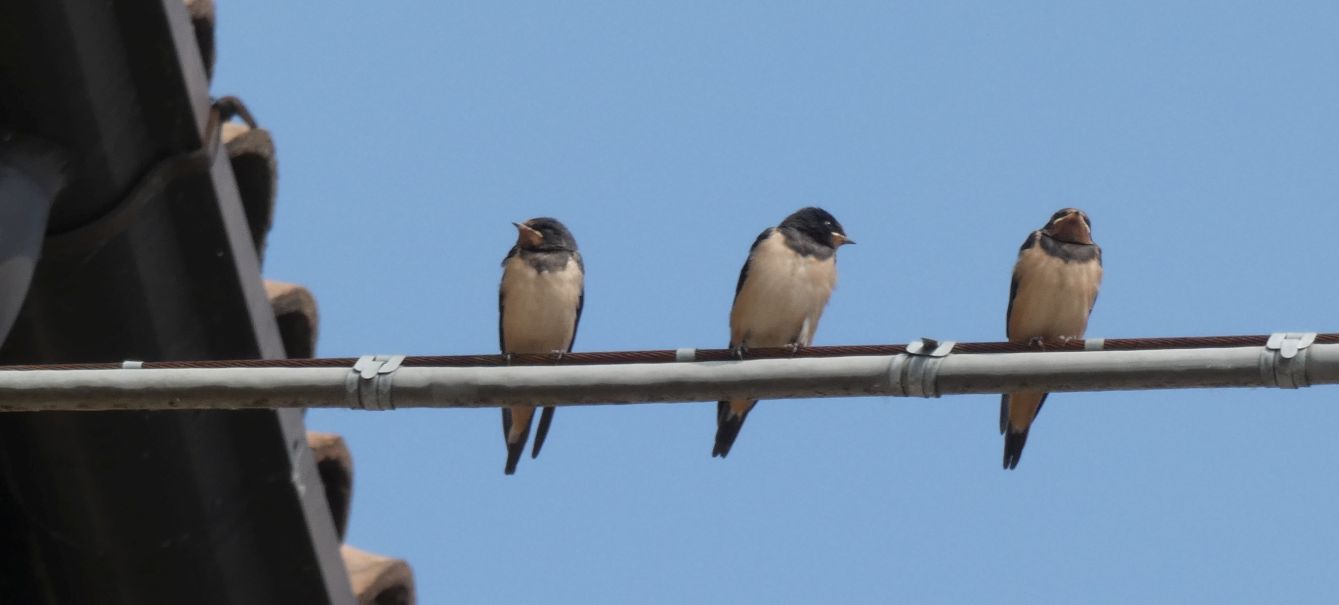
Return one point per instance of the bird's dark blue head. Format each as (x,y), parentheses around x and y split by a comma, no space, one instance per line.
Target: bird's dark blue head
(818,225)
(544,234)
(1070,225)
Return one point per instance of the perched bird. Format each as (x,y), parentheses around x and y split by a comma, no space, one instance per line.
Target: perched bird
(782,289)
(1054,287)
(539,307)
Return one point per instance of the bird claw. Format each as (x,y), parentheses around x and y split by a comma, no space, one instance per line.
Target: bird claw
(1037,342)
(506,358)
(557,355)
(739,351)
(793,347)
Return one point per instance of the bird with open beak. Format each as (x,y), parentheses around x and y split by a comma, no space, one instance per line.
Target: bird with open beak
(1054,286)
(784,286)
(539,307)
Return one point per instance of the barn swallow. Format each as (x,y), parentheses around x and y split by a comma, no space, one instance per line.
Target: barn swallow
(539,306)
(1054,287)
(783,287)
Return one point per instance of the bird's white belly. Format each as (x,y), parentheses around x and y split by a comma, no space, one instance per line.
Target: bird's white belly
(1054,300)
(539,309)
(783,297)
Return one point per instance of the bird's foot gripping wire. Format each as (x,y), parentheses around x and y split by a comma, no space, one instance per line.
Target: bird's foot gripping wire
(1037,342)
(793,347)
(557,355)
(506,359)
(739,351)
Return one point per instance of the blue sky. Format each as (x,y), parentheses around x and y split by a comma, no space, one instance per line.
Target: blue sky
(1201,137)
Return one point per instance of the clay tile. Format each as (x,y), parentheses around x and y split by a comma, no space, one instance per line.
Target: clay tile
(334,464)
(251,151)
(202,19)
(295,311)
(378,580)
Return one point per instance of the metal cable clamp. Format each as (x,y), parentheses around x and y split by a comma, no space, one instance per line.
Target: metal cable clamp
(368,385)
(1283,363)
(916,372)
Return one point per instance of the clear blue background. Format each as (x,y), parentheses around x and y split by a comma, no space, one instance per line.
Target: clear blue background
(1200,137)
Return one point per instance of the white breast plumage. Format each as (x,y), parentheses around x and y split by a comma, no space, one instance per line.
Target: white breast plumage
(1054,297)
(539,308)
(782,297)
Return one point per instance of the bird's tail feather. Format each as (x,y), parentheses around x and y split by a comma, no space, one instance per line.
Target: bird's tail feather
(1017,411)
(514,451)
(1013,447)
(545,419)
(729,419)
(516,431)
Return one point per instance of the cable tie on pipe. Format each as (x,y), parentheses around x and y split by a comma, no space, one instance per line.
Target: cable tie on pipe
(685,355)
(1289,344)
(368,385)
(916,372)
(1283,362)
(930,347)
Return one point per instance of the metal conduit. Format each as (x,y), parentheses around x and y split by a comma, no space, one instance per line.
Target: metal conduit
(928,370)
(677,355)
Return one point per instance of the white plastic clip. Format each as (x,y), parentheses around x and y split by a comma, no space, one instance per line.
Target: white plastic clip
(1284,360)
(685,355)
(132,365)
(1094,344)
(368,385)
(916,372)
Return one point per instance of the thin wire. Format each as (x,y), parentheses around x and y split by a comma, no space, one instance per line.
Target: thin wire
(670,356)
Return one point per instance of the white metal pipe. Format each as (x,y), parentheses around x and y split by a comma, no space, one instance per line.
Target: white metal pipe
(895,376)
